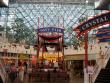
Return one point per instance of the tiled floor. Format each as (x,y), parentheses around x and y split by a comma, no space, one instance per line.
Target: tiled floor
(77,80)
(74,80)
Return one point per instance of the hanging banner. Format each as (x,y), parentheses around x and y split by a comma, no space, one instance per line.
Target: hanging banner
(102,32)
(55,37)
(104,40)
(103,35)
(93,23)
(50,29)
(104,29)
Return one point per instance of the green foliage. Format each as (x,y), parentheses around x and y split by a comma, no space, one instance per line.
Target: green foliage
(20,33)
(82,19)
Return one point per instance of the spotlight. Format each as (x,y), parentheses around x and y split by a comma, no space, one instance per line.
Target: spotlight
(4,3)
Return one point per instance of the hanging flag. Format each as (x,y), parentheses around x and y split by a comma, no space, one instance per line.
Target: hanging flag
(102,32)
(104,40)
(102,35)
(104,29)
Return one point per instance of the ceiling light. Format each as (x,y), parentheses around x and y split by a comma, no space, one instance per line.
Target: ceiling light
(6,2)
(87,1)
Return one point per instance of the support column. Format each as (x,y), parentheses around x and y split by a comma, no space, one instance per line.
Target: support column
(86,76)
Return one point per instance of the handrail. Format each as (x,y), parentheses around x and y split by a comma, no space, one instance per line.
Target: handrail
(3,71)
(106,58)
(98,67)
(96,71)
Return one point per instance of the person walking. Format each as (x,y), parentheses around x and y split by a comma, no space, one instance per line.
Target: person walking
(48,76)
(13,73)
(21,73)
(29,73)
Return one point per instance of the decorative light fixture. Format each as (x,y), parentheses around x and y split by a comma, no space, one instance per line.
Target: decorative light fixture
(4,3)
(87,1)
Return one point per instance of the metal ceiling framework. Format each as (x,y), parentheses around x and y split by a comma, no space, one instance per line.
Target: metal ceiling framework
(49,11)
(55,1)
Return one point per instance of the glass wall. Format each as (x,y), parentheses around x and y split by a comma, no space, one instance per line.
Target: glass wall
(43,15)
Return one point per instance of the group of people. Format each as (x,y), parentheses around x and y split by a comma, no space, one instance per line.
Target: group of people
(19,72)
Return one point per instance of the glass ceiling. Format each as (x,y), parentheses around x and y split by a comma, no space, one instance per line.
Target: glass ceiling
(49,14)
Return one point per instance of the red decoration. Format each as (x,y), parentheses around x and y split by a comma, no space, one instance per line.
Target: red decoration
(5,50)
(51,38)
(92,23)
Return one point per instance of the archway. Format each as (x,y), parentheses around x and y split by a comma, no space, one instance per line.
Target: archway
(87,26)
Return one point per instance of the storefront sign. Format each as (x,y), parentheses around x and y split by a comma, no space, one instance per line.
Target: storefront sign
(50,29)
(94,22)
(23,56)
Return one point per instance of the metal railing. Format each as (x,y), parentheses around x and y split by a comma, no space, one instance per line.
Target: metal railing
(3,72)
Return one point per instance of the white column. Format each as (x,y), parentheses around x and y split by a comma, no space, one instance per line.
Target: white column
(86,76)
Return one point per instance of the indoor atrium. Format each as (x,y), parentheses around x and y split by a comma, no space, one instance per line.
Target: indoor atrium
(53,41)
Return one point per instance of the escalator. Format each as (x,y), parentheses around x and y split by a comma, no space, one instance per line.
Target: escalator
(104,75)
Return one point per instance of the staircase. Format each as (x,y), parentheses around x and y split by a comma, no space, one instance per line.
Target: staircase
(104,75)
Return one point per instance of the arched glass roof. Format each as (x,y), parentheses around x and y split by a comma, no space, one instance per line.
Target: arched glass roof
(48,14)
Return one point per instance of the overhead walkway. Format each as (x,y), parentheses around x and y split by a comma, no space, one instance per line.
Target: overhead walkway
(70,50)
(94,52)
